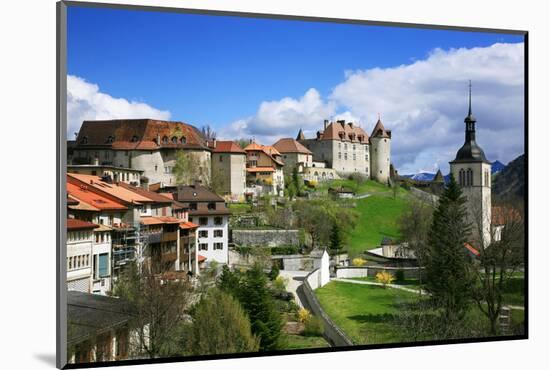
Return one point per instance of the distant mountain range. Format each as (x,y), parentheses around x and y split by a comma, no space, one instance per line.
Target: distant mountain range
(509,183)
(496,167)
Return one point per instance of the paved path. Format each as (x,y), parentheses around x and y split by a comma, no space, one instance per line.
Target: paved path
(295,279)
(399,287)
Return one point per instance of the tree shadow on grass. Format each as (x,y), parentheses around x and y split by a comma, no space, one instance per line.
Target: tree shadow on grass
(373,318)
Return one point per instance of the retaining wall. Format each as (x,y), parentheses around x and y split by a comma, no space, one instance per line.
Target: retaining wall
(371,271)
(269,237)
(332,333)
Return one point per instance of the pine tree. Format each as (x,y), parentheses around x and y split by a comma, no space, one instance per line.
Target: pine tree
(448,266)
(335,237)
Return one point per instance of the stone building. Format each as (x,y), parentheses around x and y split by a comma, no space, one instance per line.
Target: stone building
(294,154)
(347,149)
(229,170)
(472,171)
(264,166)
(142,144)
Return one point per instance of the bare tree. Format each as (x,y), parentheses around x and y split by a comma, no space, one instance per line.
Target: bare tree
(208,132)
(191,166)
(501,257)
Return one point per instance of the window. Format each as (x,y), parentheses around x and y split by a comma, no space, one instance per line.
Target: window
(174,140)
(203,221)
(469,177)
(165,139)
(221,158)
(353,147)
(346,156)
(134,139)
(84,140)
(103,269)
(203,233)
(156,168)
(211,206)
(218,246)
(461,177)
(354,158)
(126,153)
(218,233)
(203,246)
(339,155)
(183,140)
(70,263)
(193,206)
(218,220)
(94,267)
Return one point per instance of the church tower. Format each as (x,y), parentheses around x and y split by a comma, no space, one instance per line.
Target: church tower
(472,171)
(380,152)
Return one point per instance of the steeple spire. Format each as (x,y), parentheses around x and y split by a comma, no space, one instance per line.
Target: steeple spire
(470,99)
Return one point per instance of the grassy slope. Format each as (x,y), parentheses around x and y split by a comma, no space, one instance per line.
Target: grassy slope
(290,341)
(364,312)
(368,186)
(378,217)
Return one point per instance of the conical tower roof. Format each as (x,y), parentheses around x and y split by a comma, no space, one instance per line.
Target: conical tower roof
(379,130)
(439,177)
(300,135)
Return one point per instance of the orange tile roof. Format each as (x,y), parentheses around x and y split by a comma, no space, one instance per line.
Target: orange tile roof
(228,147)
(472,250)
(270,151)
(201,258)
(289,145)
(74,224)
(188,225)
(340,130)
(91,200)
(260,169)
(155,197)
(159,220)
(112,189)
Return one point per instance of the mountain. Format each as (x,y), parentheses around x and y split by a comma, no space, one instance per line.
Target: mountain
(497,166)
(509,183)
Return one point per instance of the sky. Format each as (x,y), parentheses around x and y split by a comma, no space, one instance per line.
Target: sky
(266,79)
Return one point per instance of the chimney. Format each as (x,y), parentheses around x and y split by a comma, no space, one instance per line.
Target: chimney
(326,123)
(342,122)
(350,124)
(214,143)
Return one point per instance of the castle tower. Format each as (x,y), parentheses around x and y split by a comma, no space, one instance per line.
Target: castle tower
(472,171)
(380,153)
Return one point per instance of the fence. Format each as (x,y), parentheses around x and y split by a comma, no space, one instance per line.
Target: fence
(371,271)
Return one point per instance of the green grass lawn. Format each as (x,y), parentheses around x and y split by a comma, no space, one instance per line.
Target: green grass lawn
(368,186)
(364,312)
(514,293)
(239,208)
(291,341)
(409,283)
(378,217)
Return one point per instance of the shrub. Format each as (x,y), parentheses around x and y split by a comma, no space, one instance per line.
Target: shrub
(280,283)
(313,327)
(358,262)
(304,315)
(312,183)
(285,249)
(400,275)
(273,273)
(384,278)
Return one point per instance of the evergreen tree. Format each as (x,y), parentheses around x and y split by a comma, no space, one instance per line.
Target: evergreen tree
(335,237)
(448,266)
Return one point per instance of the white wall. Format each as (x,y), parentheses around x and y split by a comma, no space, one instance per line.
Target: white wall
(219,255)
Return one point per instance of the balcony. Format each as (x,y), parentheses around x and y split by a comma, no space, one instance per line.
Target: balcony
(171,236)
(154,238)
(169,257)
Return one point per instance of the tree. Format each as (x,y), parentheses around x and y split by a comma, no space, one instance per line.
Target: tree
(253,293)
(384,278)
(160,309)
(220,325)
(208,132)
(189,167)
(499,260)
(448,267)
(313,217)
(335,237)
(414,227)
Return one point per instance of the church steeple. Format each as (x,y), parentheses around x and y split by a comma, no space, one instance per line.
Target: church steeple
(470,151)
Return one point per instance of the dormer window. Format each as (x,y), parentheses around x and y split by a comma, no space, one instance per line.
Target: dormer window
(134,139)
(110,139)
(165,139)
(193,206)
(174,140)
(84,140)
(183,140)
(211,206)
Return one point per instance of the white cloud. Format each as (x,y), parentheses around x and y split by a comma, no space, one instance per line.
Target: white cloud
(425,102)
(86,102)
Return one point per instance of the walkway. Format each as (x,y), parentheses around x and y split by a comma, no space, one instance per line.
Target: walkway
(295,279)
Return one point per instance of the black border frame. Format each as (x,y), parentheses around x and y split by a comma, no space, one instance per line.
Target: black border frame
(61,101)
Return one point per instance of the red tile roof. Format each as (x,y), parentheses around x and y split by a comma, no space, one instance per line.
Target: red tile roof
(155,197)
(201,258)
(228,147)
(159,220)
(91,200)
(188,225)
(340,130)
(289,145)
(95,184)
(504,215)
(471,249)
(74,224)
(379,130)
(270,151)
(138,134)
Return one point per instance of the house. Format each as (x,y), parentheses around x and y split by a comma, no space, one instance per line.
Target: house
(99,328)
(101,260)
(123,174)
(294,154)
(210,212)
(229,170)
(80,239)
(264,166)
(147,145)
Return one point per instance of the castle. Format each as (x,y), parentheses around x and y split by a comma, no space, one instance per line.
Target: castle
(347,148)
(472,171)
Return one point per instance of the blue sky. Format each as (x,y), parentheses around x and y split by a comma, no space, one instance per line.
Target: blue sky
(222,70)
